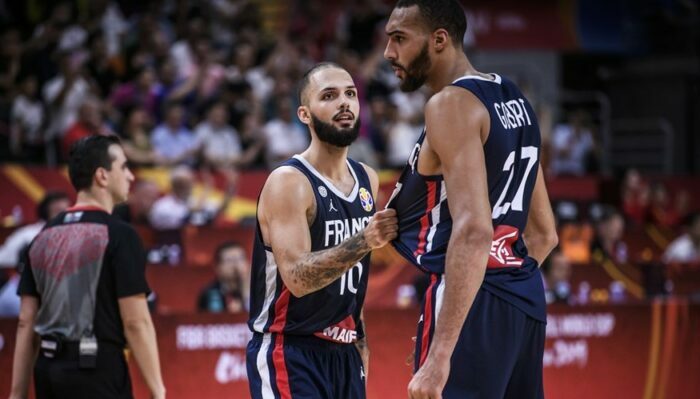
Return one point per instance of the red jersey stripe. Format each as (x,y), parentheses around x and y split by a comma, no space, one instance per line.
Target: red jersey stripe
(425,220)
(427,320)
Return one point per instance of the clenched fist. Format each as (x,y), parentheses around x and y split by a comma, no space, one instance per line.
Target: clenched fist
(382,228)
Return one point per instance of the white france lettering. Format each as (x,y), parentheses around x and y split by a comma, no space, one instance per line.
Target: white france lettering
(339,226)
(338,231)
(329,231)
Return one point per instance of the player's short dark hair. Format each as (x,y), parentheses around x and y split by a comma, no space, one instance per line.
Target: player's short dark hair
(86,155)
(306,79)
(223,247)
(446,14)
(42,208)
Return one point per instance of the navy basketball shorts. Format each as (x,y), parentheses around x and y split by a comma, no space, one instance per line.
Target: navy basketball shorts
(303,367)
(499,351)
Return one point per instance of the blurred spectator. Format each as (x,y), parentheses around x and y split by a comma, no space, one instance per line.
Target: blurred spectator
(103,69)
(208,73)
(284,137)
(572,146)
(137,208)
(27,122)
(136,142)
(686,248)
(173,89)
(71,36)
(575,241)
(663,211)
(90,122)
(180,207)
(244,67)
(111,23)
(377,125)
(253,142)
(557,278)
(609,231)
(229,291)
(172,140)
(65,93)
(10,60)
(217,140)
(182,52)
(50,206)
(141,92)
(635,197)
(401,138)
(359,24)
(238,96)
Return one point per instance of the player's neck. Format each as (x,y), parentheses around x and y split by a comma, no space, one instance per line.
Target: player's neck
(329,160)
(449,69)
(95,198)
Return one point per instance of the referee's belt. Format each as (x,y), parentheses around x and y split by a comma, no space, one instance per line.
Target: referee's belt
(57,347)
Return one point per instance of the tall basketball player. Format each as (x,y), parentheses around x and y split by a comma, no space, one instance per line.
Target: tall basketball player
(473,213)
(316,227)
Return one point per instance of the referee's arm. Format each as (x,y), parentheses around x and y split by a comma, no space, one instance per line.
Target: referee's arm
(26,348)
(141,336)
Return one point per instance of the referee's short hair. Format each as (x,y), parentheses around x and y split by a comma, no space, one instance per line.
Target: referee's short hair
(86,155)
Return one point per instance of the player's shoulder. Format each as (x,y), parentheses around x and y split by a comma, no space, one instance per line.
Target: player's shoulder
(372,175)
(287,183)
(453,97)
(285,176)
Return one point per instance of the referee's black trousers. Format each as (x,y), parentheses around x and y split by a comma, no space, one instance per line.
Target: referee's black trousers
(61,378)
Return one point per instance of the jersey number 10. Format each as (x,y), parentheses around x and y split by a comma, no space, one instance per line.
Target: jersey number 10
(516,203)
(346,280)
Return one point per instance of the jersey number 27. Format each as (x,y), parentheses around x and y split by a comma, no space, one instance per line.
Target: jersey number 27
(516,203)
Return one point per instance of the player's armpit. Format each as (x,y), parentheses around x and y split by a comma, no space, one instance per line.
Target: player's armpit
(540,232)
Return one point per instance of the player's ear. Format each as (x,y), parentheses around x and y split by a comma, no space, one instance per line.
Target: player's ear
(440,40)
(304,114)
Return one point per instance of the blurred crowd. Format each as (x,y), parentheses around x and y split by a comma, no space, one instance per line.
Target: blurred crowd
(202,84)
(211,85)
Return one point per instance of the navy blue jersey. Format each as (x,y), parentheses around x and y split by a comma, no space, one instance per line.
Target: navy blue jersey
(333,312)
(512,158)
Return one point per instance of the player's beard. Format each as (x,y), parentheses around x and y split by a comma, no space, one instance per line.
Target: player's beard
(416,73)
(339,137)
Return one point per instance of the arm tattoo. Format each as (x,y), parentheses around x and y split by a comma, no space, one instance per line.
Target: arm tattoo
(318,269)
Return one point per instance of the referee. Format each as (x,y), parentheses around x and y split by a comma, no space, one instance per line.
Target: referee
(83,291)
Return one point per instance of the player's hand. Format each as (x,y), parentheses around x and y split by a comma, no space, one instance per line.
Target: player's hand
(158,393)
(430,380)
(363,349)
(382,228)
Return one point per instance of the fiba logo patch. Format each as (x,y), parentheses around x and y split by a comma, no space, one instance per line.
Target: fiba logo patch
(322,191)
(366,199)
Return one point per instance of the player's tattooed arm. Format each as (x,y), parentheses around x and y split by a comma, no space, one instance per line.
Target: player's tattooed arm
(285,204)
(315,270)
(318,269)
